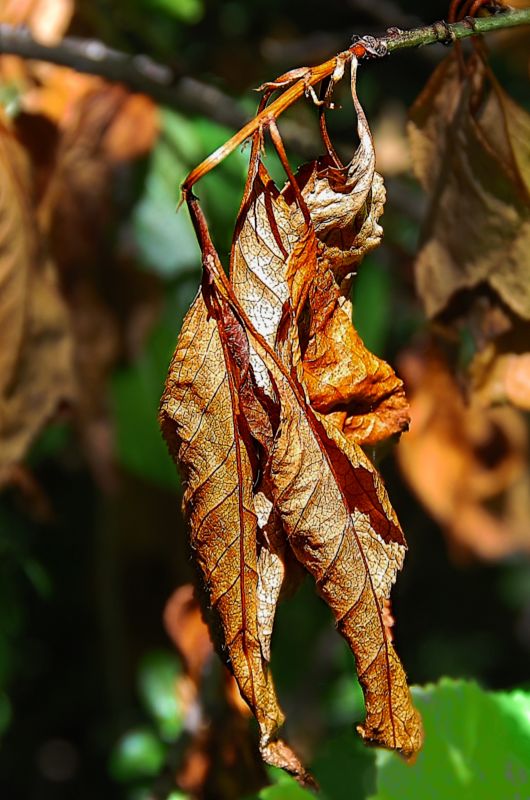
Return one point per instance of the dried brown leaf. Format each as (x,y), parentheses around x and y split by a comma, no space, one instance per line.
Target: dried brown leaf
(321,483)
(314,266)
(266,474)
(318,480)
(342,376)
(36,375)
(202,422)
(471,151)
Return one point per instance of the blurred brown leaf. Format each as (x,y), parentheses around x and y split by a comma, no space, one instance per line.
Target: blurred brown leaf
(390,139)
(499,372)
(216,717)
(467,463)
(471,151)
(259,460)
(499,378)
(82,134)
(48,20)
(189,633)
(36,358)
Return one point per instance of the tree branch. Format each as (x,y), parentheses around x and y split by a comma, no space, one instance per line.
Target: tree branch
(166,87)
(449,32)
(188,94)
(139,72)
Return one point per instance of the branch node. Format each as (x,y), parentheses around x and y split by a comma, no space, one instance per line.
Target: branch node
(444,32)
(373,47)
(471,22)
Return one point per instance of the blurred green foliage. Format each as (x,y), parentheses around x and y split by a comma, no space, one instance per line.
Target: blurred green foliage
(477,745)
(138,754)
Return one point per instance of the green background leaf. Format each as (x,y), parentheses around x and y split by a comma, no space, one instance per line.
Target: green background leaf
(477,746)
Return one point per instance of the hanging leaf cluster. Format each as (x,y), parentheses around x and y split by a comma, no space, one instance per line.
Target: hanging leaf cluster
(269,398)
(466,457)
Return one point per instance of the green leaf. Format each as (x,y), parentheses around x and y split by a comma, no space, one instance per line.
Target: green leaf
(164,237)
(345,768)
(165,240)
(157,678)
(284,788)
(477,746)
(373,300)
(138,754)
(189,11)
(285,792)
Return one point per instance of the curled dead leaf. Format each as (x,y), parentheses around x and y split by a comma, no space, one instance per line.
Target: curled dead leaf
(342,376)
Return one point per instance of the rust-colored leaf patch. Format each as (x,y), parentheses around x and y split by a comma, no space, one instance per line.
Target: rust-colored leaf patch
(466,462)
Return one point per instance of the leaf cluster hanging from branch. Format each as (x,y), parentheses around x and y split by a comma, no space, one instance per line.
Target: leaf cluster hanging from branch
(269,397)
(466,457)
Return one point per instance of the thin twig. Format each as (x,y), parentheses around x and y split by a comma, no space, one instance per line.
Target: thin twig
(449,32)
(176,91)
(298,82)
(188,94)
(138,72)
